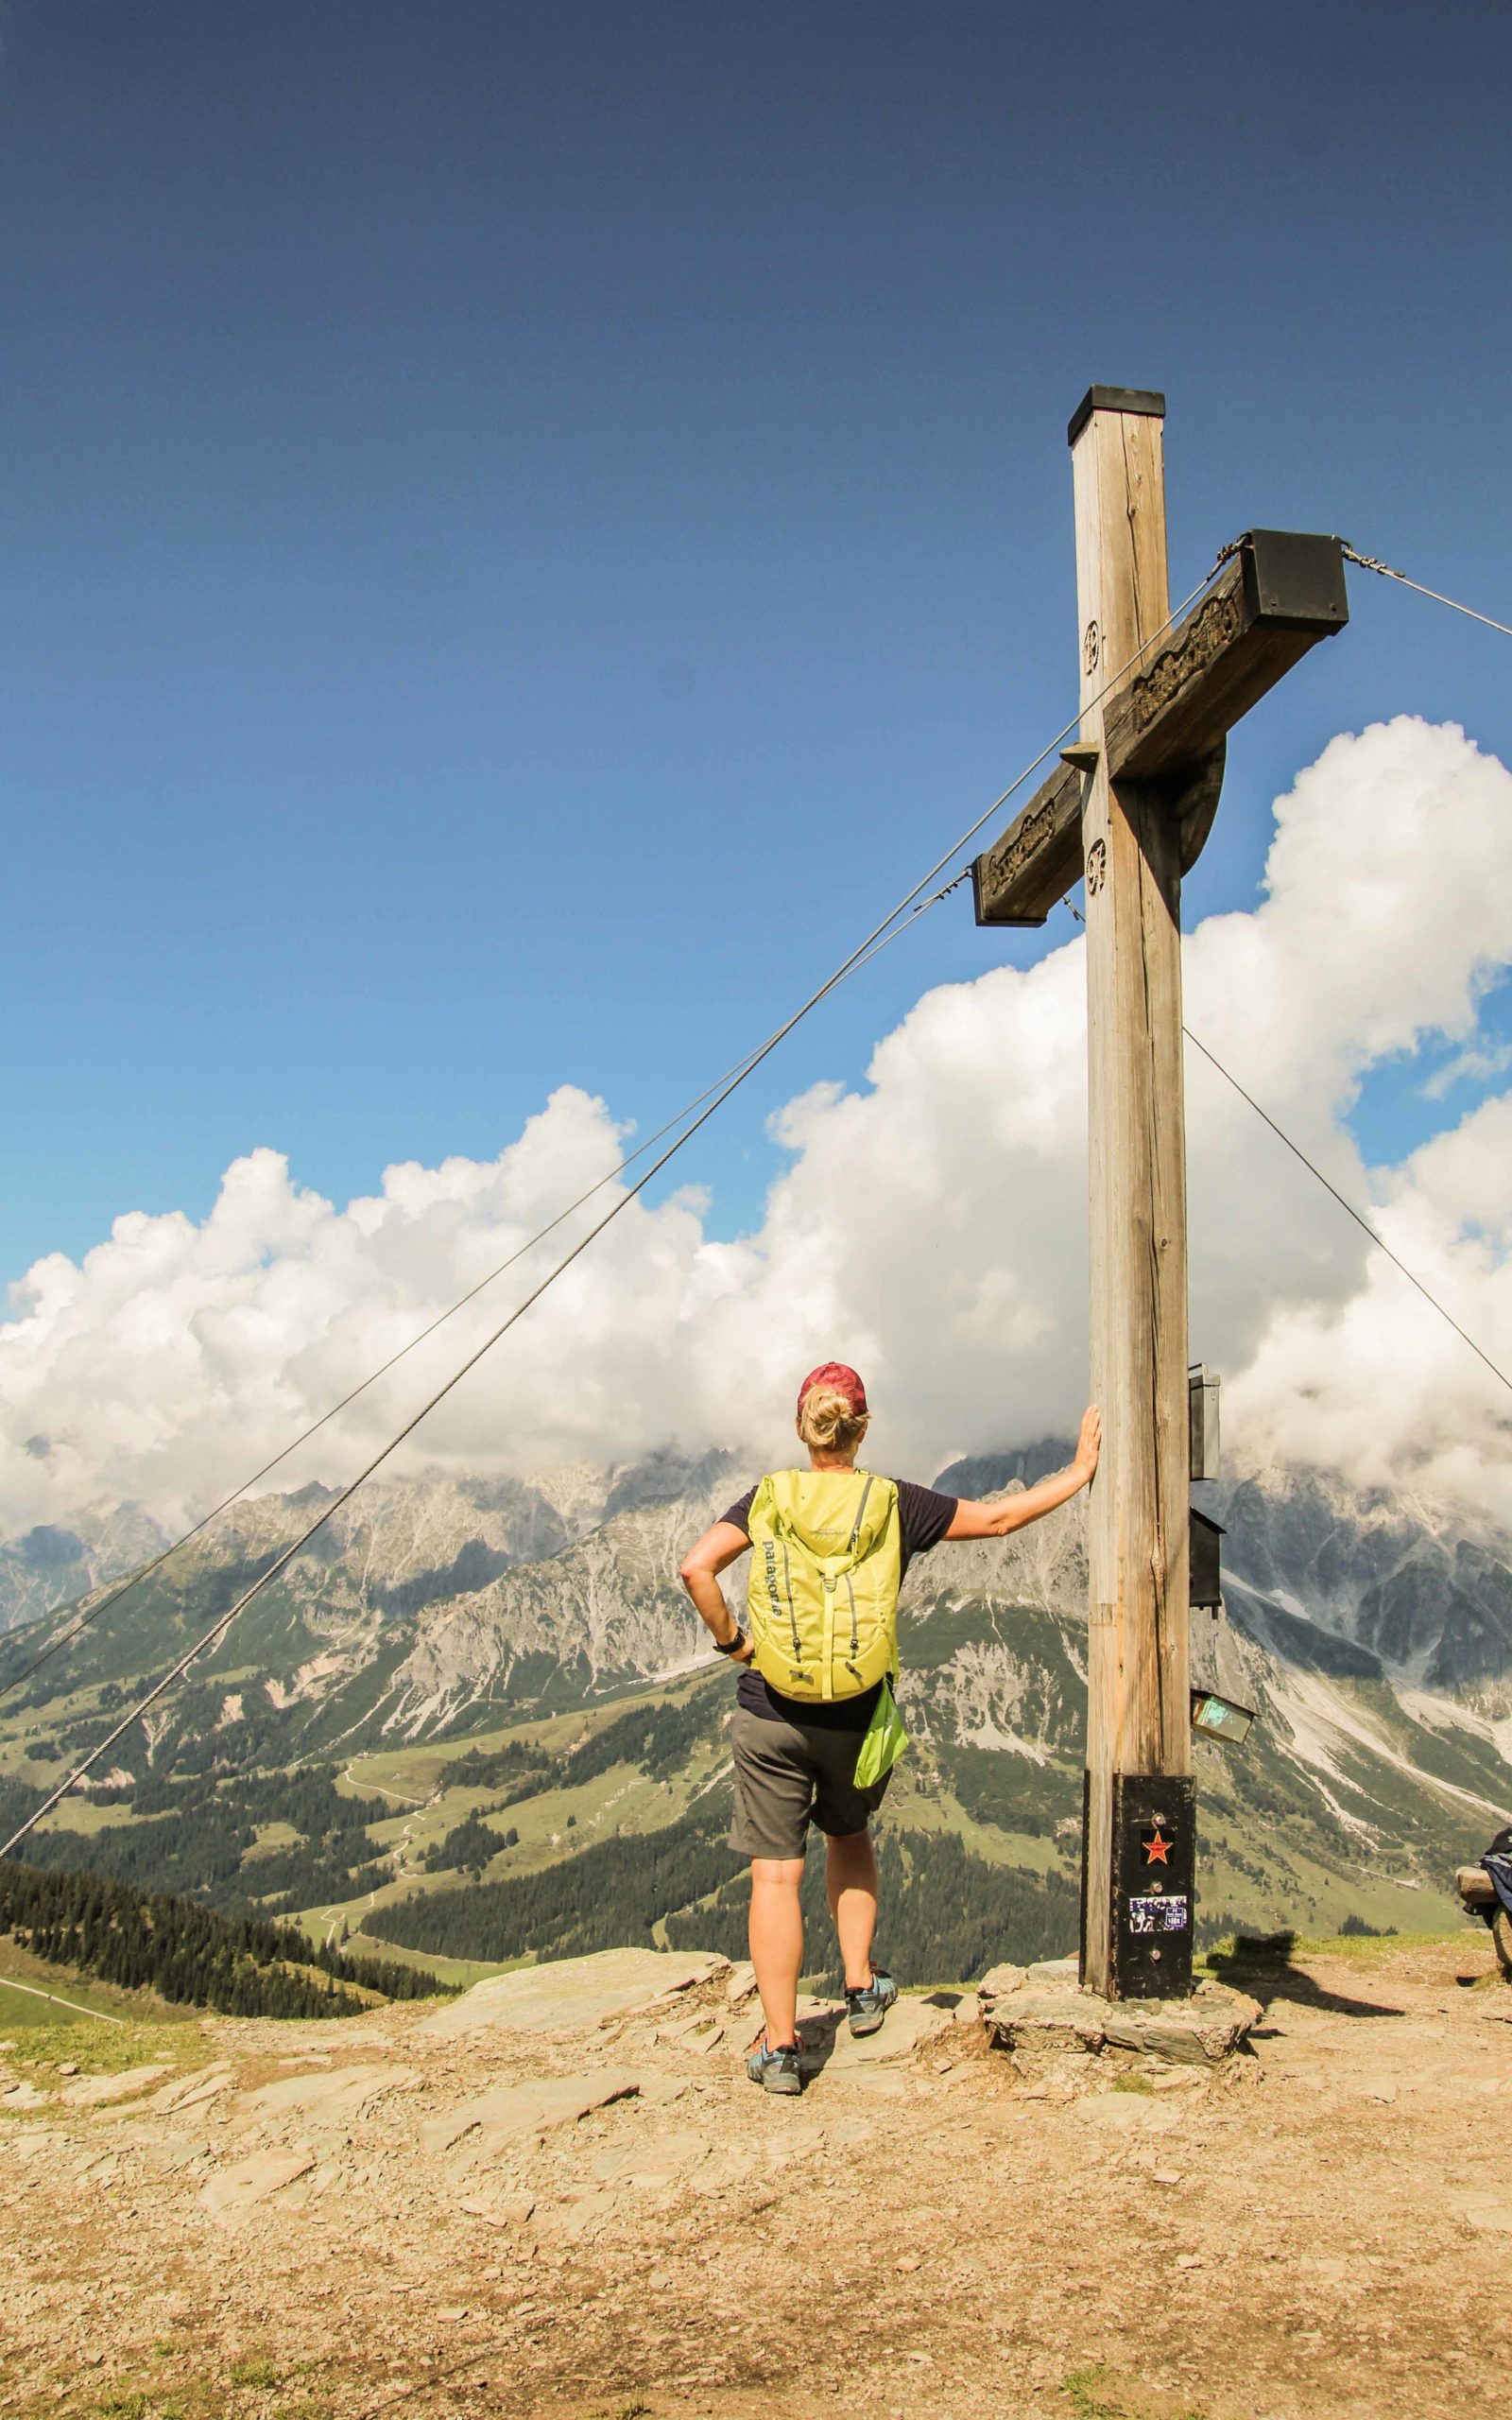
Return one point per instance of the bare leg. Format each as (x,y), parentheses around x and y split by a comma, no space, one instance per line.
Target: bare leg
(850,1874)
(777,1942)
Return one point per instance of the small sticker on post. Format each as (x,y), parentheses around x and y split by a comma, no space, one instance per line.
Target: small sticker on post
(1158,1913)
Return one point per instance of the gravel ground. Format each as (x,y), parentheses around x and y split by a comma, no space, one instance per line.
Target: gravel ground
(330,2222)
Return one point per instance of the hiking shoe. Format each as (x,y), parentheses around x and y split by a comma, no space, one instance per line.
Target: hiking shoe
(867,2007)
(775,2070)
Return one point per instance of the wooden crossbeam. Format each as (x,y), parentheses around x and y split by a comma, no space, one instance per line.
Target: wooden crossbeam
(1020,878)
(1278,593)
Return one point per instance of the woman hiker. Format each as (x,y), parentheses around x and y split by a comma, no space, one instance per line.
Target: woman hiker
(814,1714)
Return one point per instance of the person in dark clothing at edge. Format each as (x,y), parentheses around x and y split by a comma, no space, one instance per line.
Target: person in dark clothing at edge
(819,1650)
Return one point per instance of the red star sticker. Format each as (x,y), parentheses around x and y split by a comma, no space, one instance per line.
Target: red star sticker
(1158,1851)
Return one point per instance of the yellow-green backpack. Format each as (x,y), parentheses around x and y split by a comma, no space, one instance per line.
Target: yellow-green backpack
(825,1561)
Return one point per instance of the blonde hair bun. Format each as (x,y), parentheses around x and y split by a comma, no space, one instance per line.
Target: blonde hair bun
(829,1422)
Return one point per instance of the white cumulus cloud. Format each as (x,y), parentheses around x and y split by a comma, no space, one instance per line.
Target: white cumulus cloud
(930,1225)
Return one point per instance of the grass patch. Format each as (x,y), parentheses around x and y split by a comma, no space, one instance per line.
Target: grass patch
(1265,1952)
(104,2049)
(1097,2393)
(1084,2392)
(26,1980)
(198,2395)
(1132,2082)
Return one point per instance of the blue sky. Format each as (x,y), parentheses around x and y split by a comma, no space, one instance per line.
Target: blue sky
(524,532)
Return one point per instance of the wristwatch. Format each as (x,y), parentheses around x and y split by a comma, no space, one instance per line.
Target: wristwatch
(732,1646)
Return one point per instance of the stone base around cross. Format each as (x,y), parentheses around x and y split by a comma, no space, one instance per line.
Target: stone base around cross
(1041,2012)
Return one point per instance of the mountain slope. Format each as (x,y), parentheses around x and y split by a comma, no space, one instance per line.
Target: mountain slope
(477,1648)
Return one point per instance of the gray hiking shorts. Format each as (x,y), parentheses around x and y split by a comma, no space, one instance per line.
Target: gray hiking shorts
(789,1775)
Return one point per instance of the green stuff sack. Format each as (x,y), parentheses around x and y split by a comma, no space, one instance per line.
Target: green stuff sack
(882,1741)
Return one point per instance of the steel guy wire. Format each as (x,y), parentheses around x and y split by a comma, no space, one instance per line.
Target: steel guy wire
(1373,562)
(93,1613)
(217,1630)
(1343,1200)
(876,941)
(1345,1203)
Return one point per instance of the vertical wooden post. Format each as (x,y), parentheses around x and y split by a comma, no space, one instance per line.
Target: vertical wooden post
(1139,1710)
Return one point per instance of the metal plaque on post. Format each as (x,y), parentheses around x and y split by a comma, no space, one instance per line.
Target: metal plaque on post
(1205,1562)
(1154,1871)
(1202,1420)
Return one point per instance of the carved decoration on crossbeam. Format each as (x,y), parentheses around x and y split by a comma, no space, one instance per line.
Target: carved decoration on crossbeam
(1214,629)
(1006,861)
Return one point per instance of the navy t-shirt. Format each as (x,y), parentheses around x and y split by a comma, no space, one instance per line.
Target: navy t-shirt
(923,1517)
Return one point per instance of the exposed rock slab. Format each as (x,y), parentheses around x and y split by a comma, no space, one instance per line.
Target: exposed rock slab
(1033,2019)
(1045,2019)
(188,2092)
(252,2180)
(330,2098)
(644,2167)
(575,1992)
(94,2092)
(514,2112)
(830,2043)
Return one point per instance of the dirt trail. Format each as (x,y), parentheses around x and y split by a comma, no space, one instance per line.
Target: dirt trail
(397,2215)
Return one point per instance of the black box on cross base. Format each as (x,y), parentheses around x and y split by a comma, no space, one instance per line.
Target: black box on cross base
(1154,1886)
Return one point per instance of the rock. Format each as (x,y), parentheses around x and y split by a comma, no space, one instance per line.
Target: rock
(585,2216)
(1490,2211)
(695,2033)
(573,1991)
(651,2167)
(166,2155)
(1032,2022)
(505,2210)
(252,2180)
(1202,2029)
(22,2096)
(92,2092)
(830,2043)
(68,2066)
(188,2092)
(1198,2031)
(999,1979)
(741,1985)
(331,2098)
(515,2111)
(1055,1971)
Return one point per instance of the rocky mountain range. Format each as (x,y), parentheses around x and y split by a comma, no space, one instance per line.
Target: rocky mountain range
(1372,1632)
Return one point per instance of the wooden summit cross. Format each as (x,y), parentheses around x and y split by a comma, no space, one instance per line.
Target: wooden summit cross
(1130,808)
